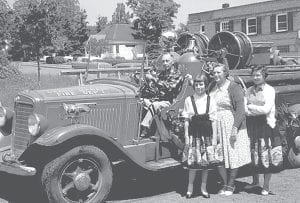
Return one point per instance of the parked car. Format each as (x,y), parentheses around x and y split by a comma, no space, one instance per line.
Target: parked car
(86,58)
(44,58)
(68,58)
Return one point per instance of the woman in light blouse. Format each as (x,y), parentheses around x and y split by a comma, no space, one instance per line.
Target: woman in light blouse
(261,121)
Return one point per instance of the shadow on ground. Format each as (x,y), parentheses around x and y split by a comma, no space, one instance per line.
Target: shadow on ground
(16,189)
(176,180)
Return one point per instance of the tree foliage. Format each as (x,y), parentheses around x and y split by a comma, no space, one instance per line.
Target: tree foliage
(120,15)
(101,23)
(182,28)
(151,18)
(97,47)
(6,21)
(65,23)
(3,6)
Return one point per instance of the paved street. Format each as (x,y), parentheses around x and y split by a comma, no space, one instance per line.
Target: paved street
(166,187)
(170,189)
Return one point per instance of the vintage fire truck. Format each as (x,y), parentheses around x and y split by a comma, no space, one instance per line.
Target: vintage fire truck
(71,138)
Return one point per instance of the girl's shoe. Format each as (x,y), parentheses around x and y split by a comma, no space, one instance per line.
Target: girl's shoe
(229,191)
(205,194)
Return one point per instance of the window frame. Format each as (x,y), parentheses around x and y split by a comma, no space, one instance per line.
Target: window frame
(202,26)
(286,22)
(224,22)
(247,26)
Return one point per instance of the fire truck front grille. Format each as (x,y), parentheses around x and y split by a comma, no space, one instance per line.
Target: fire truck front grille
(22,136)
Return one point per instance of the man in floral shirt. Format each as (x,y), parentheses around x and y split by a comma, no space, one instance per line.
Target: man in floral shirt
(168,84)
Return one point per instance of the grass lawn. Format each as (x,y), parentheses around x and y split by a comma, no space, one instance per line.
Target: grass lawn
(11,87)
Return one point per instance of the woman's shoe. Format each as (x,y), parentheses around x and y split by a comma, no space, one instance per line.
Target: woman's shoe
(223,189)
(205,194)
(264,192)
(229,191)
(189,195)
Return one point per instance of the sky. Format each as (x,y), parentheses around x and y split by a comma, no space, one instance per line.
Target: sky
(95,8)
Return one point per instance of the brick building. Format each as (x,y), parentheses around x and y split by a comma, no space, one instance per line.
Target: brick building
(275,21)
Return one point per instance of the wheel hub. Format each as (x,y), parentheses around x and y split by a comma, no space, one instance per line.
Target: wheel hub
(82,181)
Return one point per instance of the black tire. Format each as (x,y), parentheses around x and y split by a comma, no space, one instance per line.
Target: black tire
(82,173)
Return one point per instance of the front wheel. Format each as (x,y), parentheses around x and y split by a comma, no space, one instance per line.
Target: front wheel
(83,174)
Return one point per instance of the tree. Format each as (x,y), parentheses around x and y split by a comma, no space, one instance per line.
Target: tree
(101,23)
(120,15)
(6,23)
(68,26)
(80,34)
(182,28)
(151,18)
(3,6)
(34,30)
(21,7)
(65,23)
(97,47)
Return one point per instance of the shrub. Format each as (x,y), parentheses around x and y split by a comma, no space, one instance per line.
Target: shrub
(3,59)
(8,70)
(49,60)
(59,59)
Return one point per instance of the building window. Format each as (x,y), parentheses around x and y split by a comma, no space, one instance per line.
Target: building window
(284,48)
(281,22)
(202,28)
(251,26)
(224,26)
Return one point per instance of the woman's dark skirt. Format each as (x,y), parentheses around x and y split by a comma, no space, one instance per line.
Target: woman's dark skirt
(264,139)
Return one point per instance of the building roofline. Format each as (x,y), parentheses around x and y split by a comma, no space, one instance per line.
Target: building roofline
(235,7)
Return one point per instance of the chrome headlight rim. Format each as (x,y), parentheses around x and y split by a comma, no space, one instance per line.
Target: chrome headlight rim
(34,128)
(3,116)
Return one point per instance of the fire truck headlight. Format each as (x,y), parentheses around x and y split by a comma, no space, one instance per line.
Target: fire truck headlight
(5,115)
(36,124)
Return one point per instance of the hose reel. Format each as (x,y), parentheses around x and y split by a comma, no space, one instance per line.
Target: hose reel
(236,47)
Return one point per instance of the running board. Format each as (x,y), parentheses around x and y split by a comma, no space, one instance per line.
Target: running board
(163,163)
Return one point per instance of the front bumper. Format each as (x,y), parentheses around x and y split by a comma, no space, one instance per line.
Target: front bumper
(13,167)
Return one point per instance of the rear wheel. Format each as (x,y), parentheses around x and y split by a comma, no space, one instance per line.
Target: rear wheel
(82,174)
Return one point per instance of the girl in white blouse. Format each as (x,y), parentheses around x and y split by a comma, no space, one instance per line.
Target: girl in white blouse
(200,133)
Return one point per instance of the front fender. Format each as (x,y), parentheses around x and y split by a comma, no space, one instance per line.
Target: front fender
(59,135)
